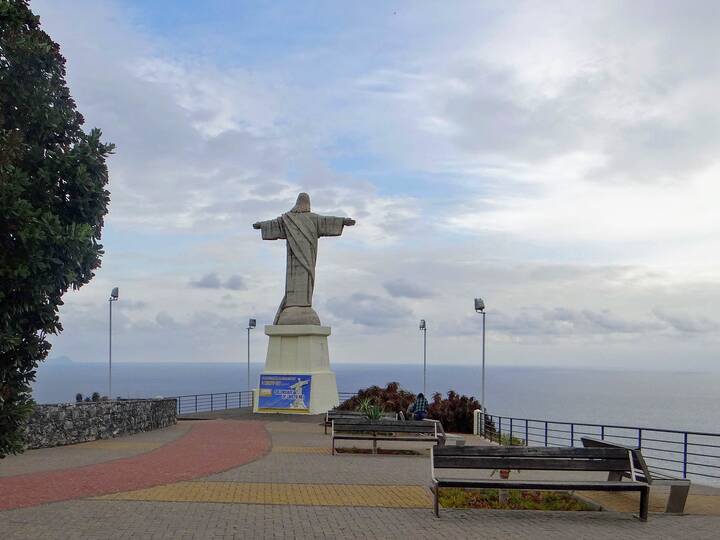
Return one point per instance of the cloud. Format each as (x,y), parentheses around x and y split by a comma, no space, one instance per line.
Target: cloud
(213,281)
(369,310)
(682,322)
(208,281)
(235,283)
(562,322)
(400,288)
(164,319)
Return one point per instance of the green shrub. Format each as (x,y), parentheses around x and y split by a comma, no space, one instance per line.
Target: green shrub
(372,411)
(390,399)
(455,412)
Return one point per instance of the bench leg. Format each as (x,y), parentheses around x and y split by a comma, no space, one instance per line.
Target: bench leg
(326,428)
(676,500)
(436,500)
(644,503)
(374,450)
(333,446)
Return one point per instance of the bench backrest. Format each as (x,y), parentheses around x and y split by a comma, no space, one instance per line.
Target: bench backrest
(532,458)
(346,425)
(643,472)
(333,414)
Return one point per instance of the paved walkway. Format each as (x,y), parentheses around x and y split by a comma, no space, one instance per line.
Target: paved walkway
(266,479)
(207,448)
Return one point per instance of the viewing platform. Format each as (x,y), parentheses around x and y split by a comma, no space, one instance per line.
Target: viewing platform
(234,474)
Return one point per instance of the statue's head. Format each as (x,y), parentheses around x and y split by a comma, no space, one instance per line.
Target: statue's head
(302,204)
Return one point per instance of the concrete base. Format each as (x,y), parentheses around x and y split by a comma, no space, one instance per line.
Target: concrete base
(302,349)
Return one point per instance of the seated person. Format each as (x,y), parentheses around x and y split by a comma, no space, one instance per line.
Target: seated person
(419,408)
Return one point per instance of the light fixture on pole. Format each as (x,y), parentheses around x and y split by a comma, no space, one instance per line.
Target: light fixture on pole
(251,324)
(113,298)
(423,329)
(480,308)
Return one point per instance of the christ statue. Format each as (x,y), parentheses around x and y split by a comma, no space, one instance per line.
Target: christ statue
(301,228)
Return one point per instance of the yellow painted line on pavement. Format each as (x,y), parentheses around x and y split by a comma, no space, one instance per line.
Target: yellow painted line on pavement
(283,494)
(301,450)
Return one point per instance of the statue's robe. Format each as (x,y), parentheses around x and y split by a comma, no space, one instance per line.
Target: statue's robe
(301,230)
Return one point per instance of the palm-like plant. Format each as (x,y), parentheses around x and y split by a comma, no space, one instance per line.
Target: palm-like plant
(372,411)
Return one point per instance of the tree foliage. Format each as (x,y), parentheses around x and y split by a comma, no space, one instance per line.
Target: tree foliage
(52,203)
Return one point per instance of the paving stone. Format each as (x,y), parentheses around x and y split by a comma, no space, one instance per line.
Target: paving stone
(91,519)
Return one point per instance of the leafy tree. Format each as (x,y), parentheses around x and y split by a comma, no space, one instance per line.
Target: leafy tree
(52,203)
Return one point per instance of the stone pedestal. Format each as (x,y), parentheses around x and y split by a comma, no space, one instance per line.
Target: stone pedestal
(301,349)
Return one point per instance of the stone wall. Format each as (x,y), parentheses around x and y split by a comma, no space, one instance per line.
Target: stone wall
(70,423)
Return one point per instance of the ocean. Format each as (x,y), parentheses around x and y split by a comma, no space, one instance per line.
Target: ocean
(658,399)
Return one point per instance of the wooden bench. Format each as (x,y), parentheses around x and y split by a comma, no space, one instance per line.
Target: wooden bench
(542,459)
(448,438)
(385,430)
(679,487)
(337,414)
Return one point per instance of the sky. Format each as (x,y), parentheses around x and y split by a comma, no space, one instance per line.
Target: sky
(558,159)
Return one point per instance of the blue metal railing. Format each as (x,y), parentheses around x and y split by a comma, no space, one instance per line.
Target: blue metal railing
(343,396)
(668,452)
(217,401)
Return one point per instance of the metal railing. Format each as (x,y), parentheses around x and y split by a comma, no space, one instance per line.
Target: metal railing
(217,401)
(342,396)
(668,452)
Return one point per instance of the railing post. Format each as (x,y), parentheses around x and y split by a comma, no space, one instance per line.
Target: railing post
(499,429)
(639,438)
(511,432)
(226,400)
(546,429)
(211,402)
(685,449)
(572,435)
(527,436)
(195,402)
(602,432)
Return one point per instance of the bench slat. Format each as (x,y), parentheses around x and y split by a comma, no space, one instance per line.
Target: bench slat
(381,438)
(529,451)
(383,428)
(535,464)
(382,421)
(541,485)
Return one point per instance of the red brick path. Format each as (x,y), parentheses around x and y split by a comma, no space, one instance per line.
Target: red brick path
(211,446)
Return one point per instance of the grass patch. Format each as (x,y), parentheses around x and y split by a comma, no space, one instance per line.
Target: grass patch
(504,439)
(517,500)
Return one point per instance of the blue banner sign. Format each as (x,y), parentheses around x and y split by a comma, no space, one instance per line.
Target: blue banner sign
(284,393)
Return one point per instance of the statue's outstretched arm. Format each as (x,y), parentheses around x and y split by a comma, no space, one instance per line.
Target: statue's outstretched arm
(271,229)
(349,222)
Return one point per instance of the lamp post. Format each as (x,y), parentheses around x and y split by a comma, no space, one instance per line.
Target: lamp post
(480,308)
(113,298)
(423,329)
(251,324)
